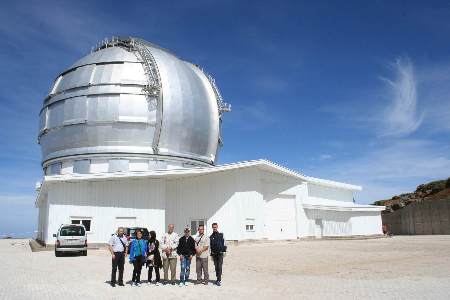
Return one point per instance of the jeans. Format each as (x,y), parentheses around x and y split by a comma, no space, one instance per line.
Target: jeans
(201,264)
(117,262)
(139,261)
(218,262)
(185,268)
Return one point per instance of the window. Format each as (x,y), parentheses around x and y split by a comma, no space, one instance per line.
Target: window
(81,166)
(71,231)
(195,224)
(118,165)
(53,169)
(85,222)
(250,225)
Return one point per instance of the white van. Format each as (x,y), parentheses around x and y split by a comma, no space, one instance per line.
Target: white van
(71,238)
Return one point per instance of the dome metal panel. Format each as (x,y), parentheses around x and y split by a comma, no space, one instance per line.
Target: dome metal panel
(107,104)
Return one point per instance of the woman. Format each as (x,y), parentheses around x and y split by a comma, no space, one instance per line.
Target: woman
(138,254)
(153,258)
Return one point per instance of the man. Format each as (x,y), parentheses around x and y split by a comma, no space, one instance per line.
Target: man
(186,249)
(169,253)
(218,248)
(118,247)
(201,260)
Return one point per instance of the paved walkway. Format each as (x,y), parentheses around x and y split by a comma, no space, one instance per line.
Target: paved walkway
(408,267)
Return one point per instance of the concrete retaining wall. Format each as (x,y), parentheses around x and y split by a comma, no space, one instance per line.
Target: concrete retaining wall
(430,217)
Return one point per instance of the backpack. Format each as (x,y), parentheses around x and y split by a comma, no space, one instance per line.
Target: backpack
(217,244)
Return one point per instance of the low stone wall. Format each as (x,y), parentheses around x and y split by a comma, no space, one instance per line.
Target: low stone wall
(427,217)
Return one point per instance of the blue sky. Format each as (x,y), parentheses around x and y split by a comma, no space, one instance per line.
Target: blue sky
(354,92)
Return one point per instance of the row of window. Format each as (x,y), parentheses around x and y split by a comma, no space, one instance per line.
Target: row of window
(114,73)
(85,166)
(97,108)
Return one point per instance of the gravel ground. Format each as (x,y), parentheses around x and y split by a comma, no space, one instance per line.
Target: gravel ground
(402,267)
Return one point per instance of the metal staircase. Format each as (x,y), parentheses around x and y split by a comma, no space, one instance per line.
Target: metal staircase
(153,87)
(221,104)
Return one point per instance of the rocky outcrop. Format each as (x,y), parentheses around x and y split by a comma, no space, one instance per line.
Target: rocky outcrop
(432,191)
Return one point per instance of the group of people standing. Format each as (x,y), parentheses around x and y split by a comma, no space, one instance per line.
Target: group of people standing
(148,252)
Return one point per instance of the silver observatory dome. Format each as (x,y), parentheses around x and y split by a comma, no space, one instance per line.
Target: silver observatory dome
(130,106)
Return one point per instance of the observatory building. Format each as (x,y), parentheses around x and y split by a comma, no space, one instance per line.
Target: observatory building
(130,135)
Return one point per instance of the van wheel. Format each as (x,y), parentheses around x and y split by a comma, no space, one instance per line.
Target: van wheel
(57,254)
(84,253)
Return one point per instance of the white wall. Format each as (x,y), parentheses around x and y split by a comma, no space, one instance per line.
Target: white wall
(103,201)
(334,223)
(42,218)
(228,198)
(366,223)
(231,198)
(329,193)
(280,220)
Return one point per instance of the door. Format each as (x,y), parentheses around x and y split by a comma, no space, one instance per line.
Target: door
(280,222)
(195,224)
(318,228)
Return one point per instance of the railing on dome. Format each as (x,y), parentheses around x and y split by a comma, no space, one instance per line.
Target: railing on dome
(221,104)
(153,87)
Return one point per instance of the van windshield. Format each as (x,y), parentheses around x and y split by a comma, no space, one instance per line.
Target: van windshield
(71,231)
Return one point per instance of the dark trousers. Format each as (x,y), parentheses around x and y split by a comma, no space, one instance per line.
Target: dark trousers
(117,262)
(218,262)
(138,262)
(150,272)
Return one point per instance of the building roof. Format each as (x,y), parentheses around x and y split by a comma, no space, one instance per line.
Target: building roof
(262,164)
(187,172)
(334,205)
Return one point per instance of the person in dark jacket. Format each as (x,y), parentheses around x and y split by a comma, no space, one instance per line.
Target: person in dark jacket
(186,249)
(153,258)
(218,248)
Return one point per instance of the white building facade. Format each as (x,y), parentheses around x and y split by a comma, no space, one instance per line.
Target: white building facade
(253,200)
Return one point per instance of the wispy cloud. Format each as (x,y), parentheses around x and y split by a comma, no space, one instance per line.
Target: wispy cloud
(401,116)
(414,102)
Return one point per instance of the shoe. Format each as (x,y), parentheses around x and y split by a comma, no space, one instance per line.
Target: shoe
(149,283)
(205,282)
(113,284)
(186,283)
(157,283)
(219,283)
(121,284)
(173,283)
(138,284)
(180,284)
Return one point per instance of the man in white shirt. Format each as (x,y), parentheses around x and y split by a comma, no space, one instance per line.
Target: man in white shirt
(118,247)
(169,253)
(202,252)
